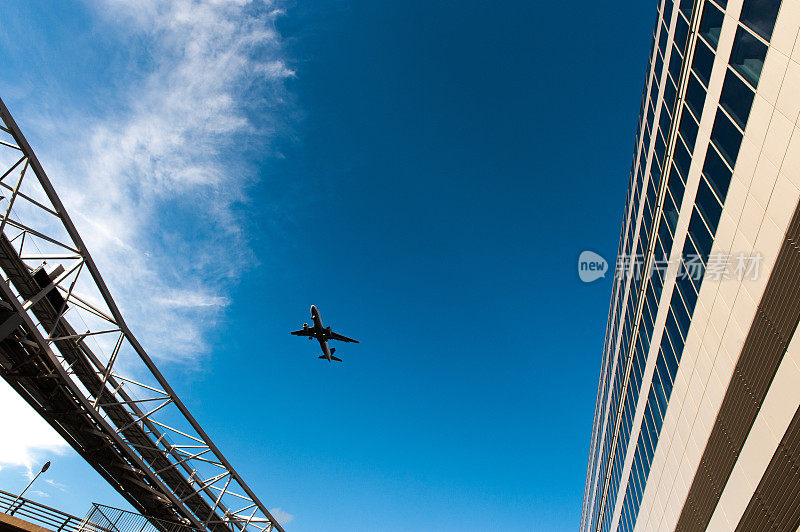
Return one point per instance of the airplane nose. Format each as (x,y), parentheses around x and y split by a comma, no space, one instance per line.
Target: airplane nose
(313,309)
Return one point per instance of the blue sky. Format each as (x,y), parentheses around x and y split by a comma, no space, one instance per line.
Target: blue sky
(426,173)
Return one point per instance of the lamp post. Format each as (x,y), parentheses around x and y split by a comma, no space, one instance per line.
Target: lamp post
(45,467)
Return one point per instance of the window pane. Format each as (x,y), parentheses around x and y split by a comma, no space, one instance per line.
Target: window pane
(688,129)
(664,120)
(659,149)
(708,205)
(659,65)
(726,137)
(703,61)
(747,56)
(760,15)
(711,24)
(688,293)
(682,159)
(667,15)
(662,39)
(695,96)
(676,186)
(675,62)
(700,235)
(686,8)
(736,98)
(717,173)
(681,33)
(669,93)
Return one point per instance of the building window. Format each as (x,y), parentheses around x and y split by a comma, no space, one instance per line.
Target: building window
(726,137)
(736,98)
(695,96)
(747,56)
(760,15)
(717,173)
(688,128)
(703,61)
(711,25)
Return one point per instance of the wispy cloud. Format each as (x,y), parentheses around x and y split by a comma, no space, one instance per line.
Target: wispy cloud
(157,179)
(29,440)
(283,517)
(158,182)
(157,176)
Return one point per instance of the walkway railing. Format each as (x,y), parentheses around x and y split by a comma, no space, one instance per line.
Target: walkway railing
(44,516)
(103,517)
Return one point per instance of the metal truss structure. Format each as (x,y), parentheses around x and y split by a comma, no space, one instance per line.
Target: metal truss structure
(65,348)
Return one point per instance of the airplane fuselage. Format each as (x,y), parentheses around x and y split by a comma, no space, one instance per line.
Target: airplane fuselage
(322,334)
(323,342)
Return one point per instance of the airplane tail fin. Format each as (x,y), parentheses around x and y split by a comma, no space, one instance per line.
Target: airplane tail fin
(333,350)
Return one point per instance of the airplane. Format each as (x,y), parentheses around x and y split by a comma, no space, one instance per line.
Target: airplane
(322,334)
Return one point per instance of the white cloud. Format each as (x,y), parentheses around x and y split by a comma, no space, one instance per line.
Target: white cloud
(153,179)
(28,441)
(156,176)
(283,517)
(156,187)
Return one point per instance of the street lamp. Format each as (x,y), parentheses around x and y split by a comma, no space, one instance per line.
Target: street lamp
(45,467)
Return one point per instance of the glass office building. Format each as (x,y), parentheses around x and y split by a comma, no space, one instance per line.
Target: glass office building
(697,424)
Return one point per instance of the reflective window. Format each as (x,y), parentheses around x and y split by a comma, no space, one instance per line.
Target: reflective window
(708,205)
(681,32)
(682,159)
(688,128)
(717,173)
(703,61)
(701,236)
(675,63)
(667,16)
(665,120)
(760,15)
(736,98)
(662,39)
(659,149)
(695,95)
(659,67)
(711,25)
(726,137)
(670,213)
(676,186)
(747,55)
(669,93)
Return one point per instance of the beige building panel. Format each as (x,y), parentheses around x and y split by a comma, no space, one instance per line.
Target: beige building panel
(788,102)
(791,163)
(766,176)
(769,85)
(777,139)
(784,36)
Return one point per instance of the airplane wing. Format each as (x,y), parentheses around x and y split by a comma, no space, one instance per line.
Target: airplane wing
(336,336)
(304,332)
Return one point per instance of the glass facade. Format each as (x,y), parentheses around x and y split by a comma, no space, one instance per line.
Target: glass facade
(682,60)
